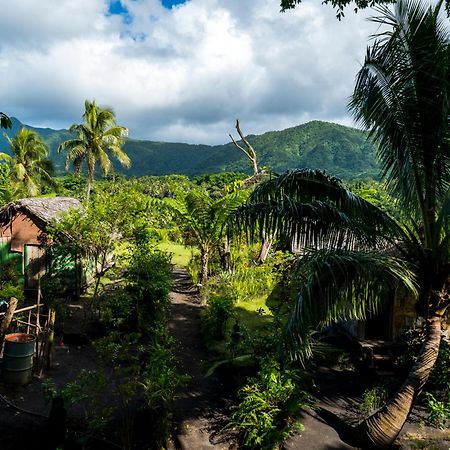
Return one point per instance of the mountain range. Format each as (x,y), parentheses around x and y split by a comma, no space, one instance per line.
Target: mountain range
(342,151)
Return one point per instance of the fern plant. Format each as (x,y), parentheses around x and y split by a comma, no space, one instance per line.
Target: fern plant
(269,407)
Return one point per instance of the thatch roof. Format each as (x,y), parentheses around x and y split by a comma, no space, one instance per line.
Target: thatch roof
(43,209)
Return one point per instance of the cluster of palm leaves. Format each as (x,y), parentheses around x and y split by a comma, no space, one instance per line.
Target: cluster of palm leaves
(29,165)
(205,217)
(97,137)
(352,255)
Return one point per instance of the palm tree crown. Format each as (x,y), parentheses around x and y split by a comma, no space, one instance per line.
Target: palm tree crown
(29,163)
(97,137)
(206,217)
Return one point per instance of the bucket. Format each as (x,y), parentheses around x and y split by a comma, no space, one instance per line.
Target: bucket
(18,358)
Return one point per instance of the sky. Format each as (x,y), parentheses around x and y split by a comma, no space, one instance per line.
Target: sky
(179,71)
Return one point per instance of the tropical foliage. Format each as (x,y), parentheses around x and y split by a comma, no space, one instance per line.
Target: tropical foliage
(205,219)
(5,121)
(401,96)
(29,166)
(97,137)
(270,405)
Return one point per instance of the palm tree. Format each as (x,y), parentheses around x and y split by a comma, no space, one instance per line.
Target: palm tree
(206,217)
(359,253)
(29,165)
(96,137)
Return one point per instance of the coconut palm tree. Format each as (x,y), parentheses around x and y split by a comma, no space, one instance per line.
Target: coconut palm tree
(96,137)
(205,217)
(29,164)
(354,254)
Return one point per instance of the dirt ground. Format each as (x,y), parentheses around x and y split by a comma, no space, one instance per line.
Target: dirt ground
(25,423)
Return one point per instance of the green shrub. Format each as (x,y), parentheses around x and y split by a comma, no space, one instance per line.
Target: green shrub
(372,400)
(214,319)
(160,382)
(193,269)
(438,411)
(440,377)
(117,308)
(150,279)
(269,407)
(89,388)
(10,283)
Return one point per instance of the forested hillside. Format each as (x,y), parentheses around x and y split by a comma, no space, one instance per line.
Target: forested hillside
(342,151)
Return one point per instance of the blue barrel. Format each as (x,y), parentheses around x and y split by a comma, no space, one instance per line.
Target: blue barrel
(18,358)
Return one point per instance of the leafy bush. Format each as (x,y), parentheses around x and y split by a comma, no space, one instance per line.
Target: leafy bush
(269,407)
(438,411)
(160,383)
(89,388)
(117,308)
(372,400)
(216,315)
(10,285)
(440,377)
(150,279)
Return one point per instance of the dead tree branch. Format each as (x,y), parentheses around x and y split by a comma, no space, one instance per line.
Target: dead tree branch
(249,151)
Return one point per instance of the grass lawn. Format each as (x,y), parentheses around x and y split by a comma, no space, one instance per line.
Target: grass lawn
(253,314)
(181,255)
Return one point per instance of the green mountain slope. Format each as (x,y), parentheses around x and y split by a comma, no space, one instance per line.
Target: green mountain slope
(342,151)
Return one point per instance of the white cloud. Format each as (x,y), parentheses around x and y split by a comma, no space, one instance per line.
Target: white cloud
(183,74)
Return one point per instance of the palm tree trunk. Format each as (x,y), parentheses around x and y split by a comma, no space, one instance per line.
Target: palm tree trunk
(382,428)
(225,256)
(88,189)
(90,180)
(204,269)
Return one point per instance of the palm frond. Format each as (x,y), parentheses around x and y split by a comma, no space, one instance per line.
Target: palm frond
(401,96)
(341,285)
(5,157)
(309,206)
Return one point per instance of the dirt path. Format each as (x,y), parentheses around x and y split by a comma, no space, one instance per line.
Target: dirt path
(199,405)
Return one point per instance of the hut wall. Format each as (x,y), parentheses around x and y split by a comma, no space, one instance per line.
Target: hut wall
(19,241)
(22,230)
(404,313)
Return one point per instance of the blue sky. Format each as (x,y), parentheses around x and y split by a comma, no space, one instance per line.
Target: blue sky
(180,74)
(116,7)
(169,3)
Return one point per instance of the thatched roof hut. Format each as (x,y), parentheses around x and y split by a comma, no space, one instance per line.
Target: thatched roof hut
(42,210)
(23,226)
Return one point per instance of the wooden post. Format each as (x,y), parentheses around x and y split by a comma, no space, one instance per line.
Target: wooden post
(51,337)
(38,302)
(29,321)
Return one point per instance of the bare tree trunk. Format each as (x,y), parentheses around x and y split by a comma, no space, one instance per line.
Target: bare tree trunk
(77,277)
(50,338)
(225,256)
(99,275)
(382,428)
(12,305)
(266,244)
(249,151)
(88,191)
(204,269)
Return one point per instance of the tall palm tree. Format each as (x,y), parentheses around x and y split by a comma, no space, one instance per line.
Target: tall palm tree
(96,137)
(357,252)
(205,217)
(29,164)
